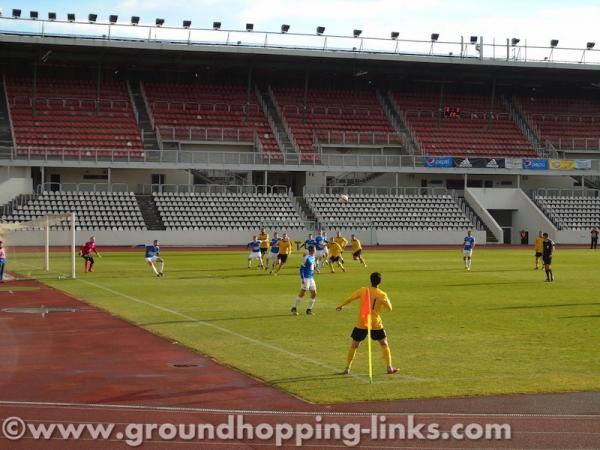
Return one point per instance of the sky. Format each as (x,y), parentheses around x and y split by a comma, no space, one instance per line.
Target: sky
(573,23)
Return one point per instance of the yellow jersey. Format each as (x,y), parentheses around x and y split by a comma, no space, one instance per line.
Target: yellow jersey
(264,240)
(341,241)
(356,245)
(285,247)
(539,244)
(334,249)
(379,301)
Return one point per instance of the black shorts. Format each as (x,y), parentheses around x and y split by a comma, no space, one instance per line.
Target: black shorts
(538,254)
(357,253)
(282,258)
(334,259)
(547,259)
(359,334)
(88,258)
(263,250)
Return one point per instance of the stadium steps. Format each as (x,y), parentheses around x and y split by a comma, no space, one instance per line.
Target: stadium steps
(6,140)
(523,123)
(389,107)
(490,238)
(305,210)
(19,200)
(145,125)
(272,112)
(150,212)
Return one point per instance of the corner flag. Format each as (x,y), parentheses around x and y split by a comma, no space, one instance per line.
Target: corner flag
(365,312)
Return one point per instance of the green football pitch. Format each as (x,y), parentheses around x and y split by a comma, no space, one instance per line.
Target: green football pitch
(498,329)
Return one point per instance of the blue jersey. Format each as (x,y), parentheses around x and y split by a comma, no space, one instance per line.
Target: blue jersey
(320,242)
(151,250)
(254,246)
(469,243)
(275,245)
(308,243)
(307,269)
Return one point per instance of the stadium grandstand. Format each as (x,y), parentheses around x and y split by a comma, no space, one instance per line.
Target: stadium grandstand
(425,145)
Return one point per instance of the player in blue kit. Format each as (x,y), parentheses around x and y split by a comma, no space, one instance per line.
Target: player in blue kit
(255,253)
(307,243)
(468,246)
(307,282)
(153,256)
(273,252)
(320,250)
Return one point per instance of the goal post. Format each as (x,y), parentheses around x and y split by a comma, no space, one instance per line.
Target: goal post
(44,247)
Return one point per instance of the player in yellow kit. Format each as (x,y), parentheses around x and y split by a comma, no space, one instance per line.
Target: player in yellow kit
(263,237)
(539,248)
(335,256)
(357,250)
(379,301)
(285,248)
(342,241)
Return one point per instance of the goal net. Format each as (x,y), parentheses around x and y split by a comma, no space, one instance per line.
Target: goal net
(40,248)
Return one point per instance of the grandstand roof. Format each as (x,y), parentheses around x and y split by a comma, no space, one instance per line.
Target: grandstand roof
(173,55)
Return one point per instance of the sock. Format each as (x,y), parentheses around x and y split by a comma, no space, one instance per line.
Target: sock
(249,263)
(154,269)
(351,355)
(547,274)
(469,263)
(387,355)
(297,302)
(1,272)
(311,303)
(551,275)
(162,267)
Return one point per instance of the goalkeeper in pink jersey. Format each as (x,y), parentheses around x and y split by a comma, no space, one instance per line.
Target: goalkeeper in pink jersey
(2,261)
(85,251)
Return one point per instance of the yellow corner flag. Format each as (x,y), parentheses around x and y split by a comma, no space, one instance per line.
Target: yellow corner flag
(365,312)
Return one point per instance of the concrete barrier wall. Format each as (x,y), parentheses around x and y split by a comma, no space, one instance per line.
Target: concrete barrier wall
(526,214)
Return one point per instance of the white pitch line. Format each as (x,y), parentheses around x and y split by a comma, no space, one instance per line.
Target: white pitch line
(182,409)
(236,334)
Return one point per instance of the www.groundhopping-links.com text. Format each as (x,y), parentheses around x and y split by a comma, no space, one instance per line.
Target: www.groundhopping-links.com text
(235,429)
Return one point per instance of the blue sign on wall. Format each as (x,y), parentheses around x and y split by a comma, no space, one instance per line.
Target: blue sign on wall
(535,164)
(437,161)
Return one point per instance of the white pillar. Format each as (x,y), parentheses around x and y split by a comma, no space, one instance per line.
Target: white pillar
(73,246)
(47,246)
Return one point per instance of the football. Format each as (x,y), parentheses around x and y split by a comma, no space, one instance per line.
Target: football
(343,198)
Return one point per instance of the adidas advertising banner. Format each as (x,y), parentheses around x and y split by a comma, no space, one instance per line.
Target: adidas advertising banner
(561,164)
(445,161)
(535,164)
(479,163)
(583,164)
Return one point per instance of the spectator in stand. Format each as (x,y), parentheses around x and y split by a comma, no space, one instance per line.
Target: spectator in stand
(447,111)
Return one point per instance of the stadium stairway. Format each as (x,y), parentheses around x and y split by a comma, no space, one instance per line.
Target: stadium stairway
(391,111)
(6,140)
(150,212)
(276,122)
(305,210)
(520,118)
(144,124)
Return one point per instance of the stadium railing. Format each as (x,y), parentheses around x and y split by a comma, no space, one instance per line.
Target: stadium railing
(211,189)
(82,187)
(208,134)
(357,138)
